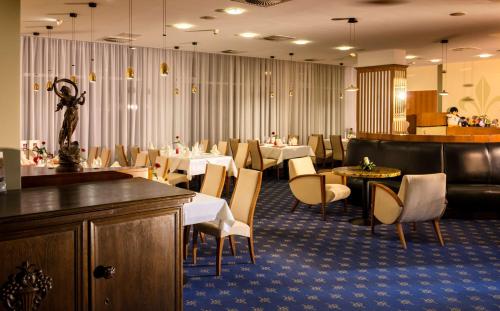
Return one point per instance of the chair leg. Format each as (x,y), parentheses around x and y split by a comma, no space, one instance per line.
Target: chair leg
(228,185)
(202,237)
(344,209)
(187,230)
(232,244)
(187,185)
(251,249)
(195,245)
(323,211)
(437,228)
(399,228)
(294,206)
(414,226)
(220,244)
(277,172)
(372,223)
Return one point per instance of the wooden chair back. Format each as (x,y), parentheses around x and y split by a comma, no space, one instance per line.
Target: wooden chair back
(337,147)
(141,159)
(222,147)
(153,154)
(245,195)
(92,154)
(240,159)
(162,170)
(255,154)
(213,182)
(204,145)
(121,156)
(105,157)
(233,144)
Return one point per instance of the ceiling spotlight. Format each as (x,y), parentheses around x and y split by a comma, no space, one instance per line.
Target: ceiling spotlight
(457,14)
(443,93)
(353,54)
(344,48)
(234,11)
(301,42)
(248,35)
(411,56)
(485,55)
(183,26)
(435,60)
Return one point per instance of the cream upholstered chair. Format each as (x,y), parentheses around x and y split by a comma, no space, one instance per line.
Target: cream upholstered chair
(153,154)
(93,153)
(121,156)
(134,151)
(242,205)
(420,198)
(311,188)
(240,160)
(105,157)
(213,182)
(204,145)
(222,147)
(322,155)
(142,159)
(337,149)
(175,178)
(233,144)
(258,162)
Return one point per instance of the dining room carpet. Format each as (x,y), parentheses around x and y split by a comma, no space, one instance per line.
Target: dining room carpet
(305,263)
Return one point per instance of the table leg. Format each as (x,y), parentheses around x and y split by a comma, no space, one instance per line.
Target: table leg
(363,221)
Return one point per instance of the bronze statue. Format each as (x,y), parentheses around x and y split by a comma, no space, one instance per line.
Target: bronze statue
(69,151)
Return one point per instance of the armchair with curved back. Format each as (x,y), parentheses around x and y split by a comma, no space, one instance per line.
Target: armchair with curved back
(222,147)
(312,188)
(338,152)
(420,198)
(322,155)
(240,160)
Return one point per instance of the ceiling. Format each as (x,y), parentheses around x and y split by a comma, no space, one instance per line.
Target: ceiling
(414,25)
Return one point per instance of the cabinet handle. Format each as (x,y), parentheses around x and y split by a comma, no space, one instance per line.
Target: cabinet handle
(106,272)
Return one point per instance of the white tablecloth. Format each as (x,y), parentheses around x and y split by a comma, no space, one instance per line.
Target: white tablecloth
(282,153)
(205,208)
(196,165)
(328,145)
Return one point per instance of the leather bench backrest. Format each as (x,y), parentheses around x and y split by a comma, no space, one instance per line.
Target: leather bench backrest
(467,163)
(494,151)
(359,148)
(411,157)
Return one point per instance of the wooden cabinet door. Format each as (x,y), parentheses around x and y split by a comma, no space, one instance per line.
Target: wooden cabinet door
(58,252)
(135,262)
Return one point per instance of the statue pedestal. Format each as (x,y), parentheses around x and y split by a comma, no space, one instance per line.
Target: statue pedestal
(69,158)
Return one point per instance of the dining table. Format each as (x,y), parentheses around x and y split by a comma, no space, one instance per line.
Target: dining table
(285,152)
(195,164)
(378,172)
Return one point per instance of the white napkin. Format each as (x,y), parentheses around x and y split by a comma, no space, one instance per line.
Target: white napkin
(97,163)
(214,150)
(293,141)
(116,164)
(84,164)
(196,149)
(151,146)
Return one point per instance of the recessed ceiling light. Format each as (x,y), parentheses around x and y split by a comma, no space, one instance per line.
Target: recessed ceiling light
(485,55)
(436,60)
(183,26)
(234,11)
(344,48)
(457,14)
(301,42)
(353,54)
(248,34)
(411,56)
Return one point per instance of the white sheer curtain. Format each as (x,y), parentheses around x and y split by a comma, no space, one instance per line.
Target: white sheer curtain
(233,98)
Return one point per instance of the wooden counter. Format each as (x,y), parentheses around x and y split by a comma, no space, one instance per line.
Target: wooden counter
(112,245)
(32,176)
(433,138)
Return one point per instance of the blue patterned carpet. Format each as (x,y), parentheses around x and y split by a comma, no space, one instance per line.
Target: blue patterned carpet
(304,263)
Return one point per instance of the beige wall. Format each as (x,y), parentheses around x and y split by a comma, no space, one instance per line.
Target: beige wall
(10,118)
(483,74)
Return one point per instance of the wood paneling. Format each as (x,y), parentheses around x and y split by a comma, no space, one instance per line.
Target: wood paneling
(380,108)
(456,130)
(432,119)
(418,102)
(433,138)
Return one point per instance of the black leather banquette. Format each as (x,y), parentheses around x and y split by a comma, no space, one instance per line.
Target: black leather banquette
(472,170)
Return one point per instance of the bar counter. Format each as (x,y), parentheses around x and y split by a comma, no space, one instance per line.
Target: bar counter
(482,138)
